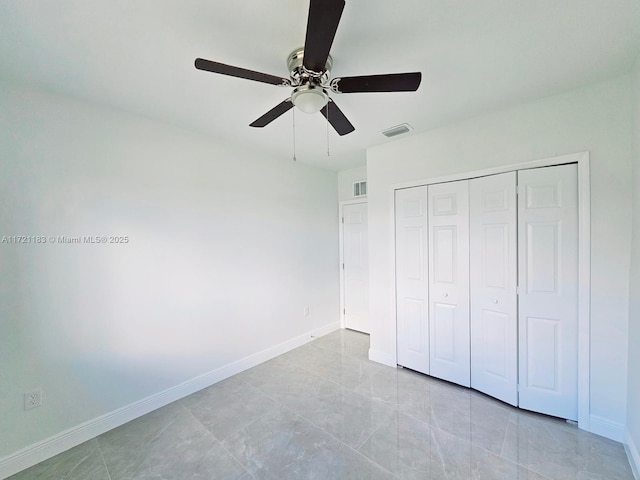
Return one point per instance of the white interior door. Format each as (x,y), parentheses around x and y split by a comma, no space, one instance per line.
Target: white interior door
(412,279)
(356,267)
(548,281)
(449,333)
(493,282)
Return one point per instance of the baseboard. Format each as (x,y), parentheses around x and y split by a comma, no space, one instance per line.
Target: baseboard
(606,428)
(382,357)
(632,453)
(38,452)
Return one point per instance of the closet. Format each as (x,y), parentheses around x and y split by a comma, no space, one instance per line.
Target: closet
(486,285)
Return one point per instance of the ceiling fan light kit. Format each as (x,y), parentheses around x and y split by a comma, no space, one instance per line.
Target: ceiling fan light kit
(309,98)
(310,73)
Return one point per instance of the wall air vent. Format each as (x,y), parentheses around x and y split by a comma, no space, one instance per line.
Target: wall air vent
(397,130)
(360,188)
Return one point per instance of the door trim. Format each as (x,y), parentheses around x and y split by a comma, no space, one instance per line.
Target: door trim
(341,206)
(584,256)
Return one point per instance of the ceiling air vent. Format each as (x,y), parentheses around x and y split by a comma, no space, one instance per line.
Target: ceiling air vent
(360,188)
(397,130)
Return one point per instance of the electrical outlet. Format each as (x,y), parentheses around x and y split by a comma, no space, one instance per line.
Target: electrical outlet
(306,311)
(33,399)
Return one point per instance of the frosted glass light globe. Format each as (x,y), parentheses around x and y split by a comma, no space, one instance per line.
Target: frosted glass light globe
(309,98)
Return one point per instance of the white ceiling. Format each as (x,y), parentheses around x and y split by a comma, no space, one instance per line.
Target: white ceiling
(475,56)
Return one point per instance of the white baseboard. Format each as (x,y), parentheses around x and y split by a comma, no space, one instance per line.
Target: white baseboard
(38,452)
(606,428)
(632,453)
(382,357)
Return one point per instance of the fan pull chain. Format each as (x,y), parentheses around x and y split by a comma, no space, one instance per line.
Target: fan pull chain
(327,107)
(293,114)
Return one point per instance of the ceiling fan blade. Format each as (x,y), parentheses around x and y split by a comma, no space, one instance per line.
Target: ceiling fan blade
(272,114)
(392,82)
(324,16)
(216,67)
(337,119)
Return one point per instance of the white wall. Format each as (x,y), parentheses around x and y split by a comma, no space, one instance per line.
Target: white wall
(346,179)
(597,119)
(633,399)
(226,248)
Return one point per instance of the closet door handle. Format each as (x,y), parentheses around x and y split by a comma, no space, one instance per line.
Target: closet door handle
(446,294)
(495,301)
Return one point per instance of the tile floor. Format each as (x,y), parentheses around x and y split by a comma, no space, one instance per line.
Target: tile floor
(323,411)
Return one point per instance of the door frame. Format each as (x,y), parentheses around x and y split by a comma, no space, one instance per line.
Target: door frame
(584,256)
(341,206)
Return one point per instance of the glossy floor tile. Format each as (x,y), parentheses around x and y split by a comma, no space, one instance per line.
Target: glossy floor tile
(83,462)
(324,411)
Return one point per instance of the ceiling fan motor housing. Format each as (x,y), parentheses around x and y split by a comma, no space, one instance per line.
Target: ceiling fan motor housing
(300,75)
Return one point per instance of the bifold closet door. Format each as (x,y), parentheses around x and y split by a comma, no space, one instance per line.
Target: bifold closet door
(493,281)
(412,278)
(449,334)
(548,297)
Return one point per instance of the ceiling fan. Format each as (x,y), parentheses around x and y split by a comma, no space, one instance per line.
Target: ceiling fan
(310,68)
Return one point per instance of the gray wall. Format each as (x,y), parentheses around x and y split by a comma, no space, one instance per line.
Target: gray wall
(633,399)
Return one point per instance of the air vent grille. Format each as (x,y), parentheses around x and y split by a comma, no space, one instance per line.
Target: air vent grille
(360,188)
(397,130)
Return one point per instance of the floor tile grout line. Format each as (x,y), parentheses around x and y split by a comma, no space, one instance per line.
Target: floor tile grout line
(341,352)
(147,445)
(526,467)
(312,373)
(244,426)
(393,408)
(103,460)
(336,351)
(342,443)
(529,469)
(373,432)
(494,454)
(470,442)
(79,462)
(217,440)
(504,440)
(499,455)
(354,389)
(247,425)
(390,405)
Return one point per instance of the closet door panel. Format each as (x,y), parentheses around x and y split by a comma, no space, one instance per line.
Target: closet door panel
(411,279)
(448,222)
(548,299)
(493,277)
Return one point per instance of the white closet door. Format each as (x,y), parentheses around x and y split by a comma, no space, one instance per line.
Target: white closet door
(356,267)
(548,300)
(412,279)
(449,281)
(493,277)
